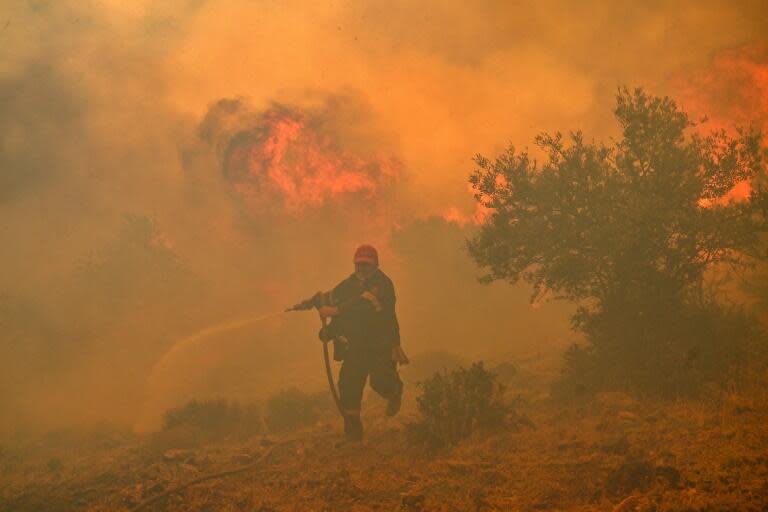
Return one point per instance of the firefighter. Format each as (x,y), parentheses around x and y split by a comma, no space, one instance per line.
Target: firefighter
(367,338)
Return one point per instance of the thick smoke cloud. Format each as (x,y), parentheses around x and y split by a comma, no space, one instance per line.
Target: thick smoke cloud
(130,221)
(290,160)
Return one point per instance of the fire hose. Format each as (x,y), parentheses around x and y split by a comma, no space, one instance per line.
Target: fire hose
(315,302)
(329,374)
(222,474)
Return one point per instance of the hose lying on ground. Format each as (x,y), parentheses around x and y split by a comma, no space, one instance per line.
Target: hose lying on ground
(213,476)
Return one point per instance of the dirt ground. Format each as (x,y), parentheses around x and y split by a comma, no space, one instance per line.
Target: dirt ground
(607,453)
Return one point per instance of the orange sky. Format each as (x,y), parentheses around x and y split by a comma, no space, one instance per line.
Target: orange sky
(443,80)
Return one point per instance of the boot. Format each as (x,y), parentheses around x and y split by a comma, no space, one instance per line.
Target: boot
(353,427)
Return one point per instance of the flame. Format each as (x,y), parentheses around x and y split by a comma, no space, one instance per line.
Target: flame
(740,192)
(733,88)
(481,212)
(288,155)
(453,215)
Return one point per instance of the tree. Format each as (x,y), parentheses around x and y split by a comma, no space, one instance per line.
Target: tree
(629,231)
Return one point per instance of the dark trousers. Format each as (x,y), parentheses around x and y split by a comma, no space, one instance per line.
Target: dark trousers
(359,363)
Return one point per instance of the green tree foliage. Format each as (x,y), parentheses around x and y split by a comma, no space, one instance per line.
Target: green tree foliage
(628,231)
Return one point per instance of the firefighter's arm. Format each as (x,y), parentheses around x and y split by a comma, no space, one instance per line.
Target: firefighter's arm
(398,355)
(364,302)
(330,305)
(382,301)
(388,300)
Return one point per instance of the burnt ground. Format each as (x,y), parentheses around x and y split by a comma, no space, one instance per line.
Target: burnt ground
(608,453)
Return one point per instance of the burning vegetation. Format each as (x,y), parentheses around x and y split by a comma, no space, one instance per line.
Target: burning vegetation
(300,159)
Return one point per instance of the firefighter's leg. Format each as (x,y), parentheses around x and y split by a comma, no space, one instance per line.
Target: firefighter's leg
(352,377)
(386,382)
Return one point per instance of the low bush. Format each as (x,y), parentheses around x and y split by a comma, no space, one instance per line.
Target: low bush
(454,404)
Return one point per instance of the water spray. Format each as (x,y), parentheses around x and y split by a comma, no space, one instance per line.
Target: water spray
(314,302)
(208,331)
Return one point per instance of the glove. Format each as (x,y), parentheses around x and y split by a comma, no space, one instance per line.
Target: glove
(398,356)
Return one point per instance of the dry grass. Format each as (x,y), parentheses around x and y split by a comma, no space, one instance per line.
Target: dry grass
(696,455)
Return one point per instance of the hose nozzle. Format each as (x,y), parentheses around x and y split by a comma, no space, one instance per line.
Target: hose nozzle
(313,302)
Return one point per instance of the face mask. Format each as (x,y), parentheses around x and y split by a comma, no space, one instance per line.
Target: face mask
(363,272)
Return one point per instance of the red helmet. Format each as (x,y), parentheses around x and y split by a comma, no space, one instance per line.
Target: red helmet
(366,254)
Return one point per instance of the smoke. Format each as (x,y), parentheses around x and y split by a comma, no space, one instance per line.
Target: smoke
(730,90)
(165,168)
(288,161)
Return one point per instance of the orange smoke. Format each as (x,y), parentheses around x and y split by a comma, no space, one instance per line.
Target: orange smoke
(292,156)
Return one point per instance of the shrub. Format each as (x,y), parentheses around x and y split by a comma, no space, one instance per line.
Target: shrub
(454,404)
(634,233)
(686,347)
(291,409)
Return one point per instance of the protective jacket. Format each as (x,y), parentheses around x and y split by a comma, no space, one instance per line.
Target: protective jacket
(366,312)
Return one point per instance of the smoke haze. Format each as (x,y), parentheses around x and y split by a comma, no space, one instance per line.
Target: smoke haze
(168,168)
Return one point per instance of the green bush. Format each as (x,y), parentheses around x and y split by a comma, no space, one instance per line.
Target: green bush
(291,409)
(215,418)
(685,347)
(454,404)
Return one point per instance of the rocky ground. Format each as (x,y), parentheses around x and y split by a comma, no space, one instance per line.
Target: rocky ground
(608,453)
